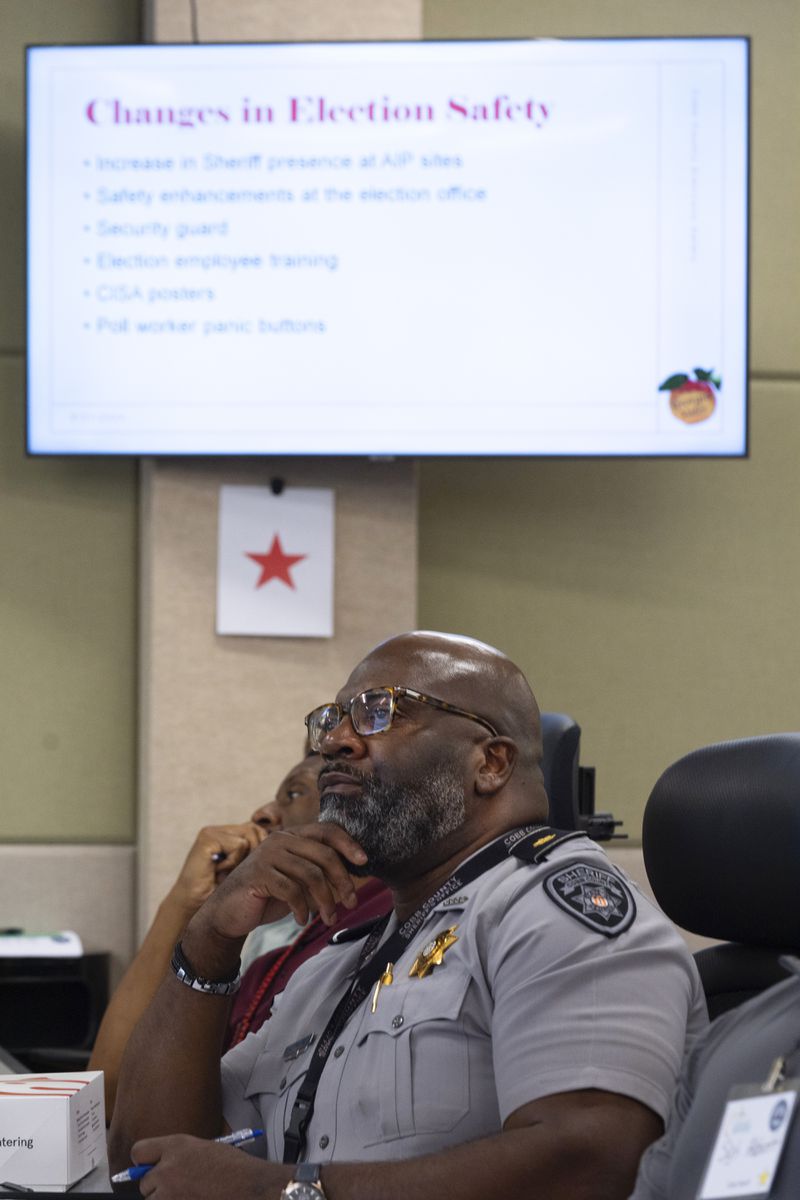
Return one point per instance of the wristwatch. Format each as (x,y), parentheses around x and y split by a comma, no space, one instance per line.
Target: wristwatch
(305,1185)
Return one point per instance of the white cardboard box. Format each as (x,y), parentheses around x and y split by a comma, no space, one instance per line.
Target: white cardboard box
(52,1128)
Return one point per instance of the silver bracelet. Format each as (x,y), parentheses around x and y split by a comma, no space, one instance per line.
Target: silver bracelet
(184,971)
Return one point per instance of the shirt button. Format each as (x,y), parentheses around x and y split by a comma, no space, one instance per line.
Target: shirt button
(397,1022)
(338,1052)
(323,1141)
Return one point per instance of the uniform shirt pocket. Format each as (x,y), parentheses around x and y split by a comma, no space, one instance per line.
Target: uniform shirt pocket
(272,1086)
(413,1058)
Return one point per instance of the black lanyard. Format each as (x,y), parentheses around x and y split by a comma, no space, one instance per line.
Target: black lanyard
(370,967)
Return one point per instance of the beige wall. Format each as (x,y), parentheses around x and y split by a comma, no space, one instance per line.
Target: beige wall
(222,716)
(654,601)
(67,594)
(281,20)
(67,630)
(67,538)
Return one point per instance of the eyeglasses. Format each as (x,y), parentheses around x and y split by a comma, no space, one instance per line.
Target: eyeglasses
(373,712)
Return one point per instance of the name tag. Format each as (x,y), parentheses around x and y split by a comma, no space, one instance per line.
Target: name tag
(749,1143)
(298,1048)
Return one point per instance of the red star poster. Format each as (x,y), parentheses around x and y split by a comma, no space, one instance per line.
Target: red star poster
(275,567)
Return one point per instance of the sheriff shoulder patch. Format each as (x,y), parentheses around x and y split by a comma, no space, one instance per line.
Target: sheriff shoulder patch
(596,897)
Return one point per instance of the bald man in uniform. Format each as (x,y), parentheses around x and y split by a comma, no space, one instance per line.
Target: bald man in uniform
(515,1029)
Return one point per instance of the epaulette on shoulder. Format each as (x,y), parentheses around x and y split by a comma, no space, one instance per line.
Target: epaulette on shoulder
(355,933)
(537,846)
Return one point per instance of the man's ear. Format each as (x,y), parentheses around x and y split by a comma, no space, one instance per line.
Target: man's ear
(497,766)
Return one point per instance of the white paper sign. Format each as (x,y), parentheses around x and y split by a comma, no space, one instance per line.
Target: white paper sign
(748,1146)
(275,567)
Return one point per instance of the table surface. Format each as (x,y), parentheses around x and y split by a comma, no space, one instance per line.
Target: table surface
(96,1183)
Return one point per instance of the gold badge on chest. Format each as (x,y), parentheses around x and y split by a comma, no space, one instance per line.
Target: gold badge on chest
(433,953)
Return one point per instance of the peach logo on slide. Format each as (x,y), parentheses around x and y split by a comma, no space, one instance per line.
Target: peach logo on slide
(692,400)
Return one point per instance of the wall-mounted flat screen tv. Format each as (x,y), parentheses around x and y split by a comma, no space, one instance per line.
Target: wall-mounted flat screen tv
(409,248)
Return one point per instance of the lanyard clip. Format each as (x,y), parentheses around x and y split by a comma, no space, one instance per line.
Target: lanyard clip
(775,1076)
(295,1136)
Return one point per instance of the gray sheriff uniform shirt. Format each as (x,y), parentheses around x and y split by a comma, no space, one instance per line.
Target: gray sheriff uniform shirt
(738,1048)
(533,999)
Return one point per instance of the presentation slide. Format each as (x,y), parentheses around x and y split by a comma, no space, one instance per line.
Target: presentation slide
(428,248)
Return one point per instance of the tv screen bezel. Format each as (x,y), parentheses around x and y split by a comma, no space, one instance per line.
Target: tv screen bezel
(188,455)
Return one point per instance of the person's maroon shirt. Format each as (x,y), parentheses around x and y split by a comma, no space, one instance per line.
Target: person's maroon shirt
(265,978)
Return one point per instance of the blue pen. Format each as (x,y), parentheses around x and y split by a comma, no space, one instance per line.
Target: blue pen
(230,1139)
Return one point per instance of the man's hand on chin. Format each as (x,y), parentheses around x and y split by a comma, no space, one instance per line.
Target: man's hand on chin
(304,870)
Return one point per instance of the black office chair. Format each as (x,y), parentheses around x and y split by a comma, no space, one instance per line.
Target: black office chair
(570,786)
(561,739)
(721,845)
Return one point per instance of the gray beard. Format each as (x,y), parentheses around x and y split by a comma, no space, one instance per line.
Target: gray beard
(393,822)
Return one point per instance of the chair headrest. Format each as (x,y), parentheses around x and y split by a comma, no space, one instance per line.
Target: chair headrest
(721,841)
(561,735)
